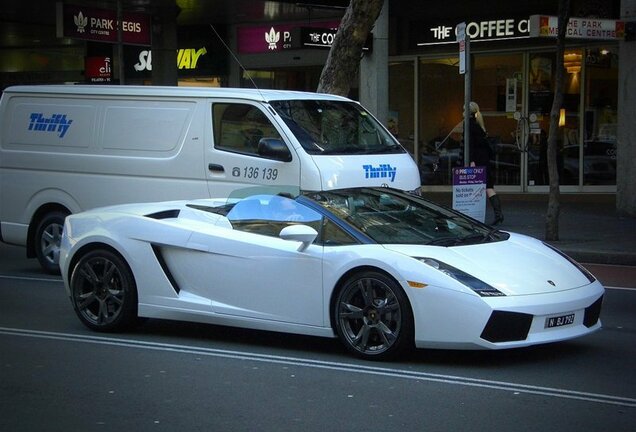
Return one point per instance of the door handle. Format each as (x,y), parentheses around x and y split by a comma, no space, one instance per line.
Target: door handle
(216,167)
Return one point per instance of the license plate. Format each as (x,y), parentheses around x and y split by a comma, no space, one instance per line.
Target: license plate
(559,321)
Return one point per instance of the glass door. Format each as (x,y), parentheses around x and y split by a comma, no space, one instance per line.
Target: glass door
(497,87)
(536,122)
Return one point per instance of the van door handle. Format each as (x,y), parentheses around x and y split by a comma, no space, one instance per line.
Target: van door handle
(216,167)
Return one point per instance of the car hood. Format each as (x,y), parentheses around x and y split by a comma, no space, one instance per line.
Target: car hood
(520,265)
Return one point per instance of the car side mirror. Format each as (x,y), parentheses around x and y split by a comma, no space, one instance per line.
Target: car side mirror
(274,148)
(302,233)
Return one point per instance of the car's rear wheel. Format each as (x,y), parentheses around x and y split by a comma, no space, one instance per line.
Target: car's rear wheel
(373,317)
(48,236)
(103,291)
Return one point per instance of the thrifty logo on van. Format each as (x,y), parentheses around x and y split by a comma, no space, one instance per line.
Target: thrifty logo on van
(381,171)
(57,123)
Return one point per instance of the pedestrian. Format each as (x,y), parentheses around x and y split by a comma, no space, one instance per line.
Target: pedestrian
(481,154)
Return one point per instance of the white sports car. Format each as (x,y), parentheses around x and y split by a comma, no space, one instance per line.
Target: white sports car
(380,269)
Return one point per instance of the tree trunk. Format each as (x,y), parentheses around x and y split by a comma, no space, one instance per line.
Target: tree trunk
(554,206)
(343,61)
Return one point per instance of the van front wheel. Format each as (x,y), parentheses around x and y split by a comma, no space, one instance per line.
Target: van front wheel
(48,236)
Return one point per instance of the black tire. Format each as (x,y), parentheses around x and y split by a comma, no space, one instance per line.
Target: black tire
(103,292)
(48,236)
(373,316)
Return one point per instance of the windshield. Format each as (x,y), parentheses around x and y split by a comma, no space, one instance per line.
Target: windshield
(391,217)
(335,127)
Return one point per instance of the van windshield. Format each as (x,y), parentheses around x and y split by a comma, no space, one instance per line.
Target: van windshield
(335,128)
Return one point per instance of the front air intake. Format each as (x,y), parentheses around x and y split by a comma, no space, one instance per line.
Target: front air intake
(506,326)
(593,313)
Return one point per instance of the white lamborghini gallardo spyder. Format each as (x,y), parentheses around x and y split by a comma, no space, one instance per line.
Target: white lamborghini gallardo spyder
(380,269)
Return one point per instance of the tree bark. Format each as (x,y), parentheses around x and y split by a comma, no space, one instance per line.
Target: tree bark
(343,61)
(554,206)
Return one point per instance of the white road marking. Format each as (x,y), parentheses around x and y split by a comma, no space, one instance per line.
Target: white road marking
(328,365)
(31,278)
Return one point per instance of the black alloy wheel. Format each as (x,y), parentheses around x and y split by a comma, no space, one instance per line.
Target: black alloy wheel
(103,291)
(373,317)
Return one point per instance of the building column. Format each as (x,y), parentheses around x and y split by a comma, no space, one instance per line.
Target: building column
(626,139)
(164,44)
(374,70)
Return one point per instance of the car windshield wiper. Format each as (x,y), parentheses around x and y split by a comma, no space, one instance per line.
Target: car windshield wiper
(490,235)
(475,238)
(361,150)
(469,239)
(443,241)
(344,150)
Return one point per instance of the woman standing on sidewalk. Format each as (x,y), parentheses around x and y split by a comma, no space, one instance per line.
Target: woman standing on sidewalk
(480,154)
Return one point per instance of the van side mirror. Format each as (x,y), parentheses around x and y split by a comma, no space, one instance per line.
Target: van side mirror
(274,148)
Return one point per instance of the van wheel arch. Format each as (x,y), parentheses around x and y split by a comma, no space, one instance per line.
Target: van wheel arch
(45,219)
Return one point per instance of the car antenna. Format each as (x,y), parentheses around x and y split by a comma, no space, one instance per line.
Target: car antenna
(237,60)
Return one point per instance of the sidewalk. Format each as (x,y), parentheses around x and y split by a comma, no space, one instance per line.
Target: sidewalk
(590,231)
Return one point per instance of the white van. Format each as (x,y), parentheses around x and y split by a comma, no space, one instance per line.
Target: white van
(64,149)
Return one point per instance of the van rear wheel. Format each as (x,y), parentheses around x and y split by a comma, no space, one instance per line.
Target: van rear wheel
(48,236)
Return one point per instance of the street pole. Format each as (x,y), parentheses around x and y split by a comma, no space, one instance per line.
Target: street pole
(467,93)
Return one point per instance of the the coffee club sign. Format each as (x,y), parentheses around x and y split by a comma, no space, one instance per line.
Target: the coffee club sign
(486,30)
(278,37)
(101,25)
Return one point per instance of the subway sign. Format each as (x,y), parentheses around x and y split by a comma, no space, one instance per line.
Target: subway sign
(187,58)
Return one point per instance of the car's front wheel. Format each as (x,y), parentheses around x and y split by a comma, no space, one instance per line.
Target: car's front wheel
(103,291)
(373,317)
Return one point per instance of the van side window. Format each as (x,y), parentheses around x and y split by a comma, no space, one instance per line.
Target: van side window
(239,127)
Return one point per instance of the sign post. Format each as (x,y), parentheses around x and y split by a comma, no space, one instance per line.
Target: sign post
(464,69)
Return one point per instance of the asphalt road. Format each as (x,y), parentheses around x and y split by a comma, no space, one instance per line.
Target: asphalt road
(56,375)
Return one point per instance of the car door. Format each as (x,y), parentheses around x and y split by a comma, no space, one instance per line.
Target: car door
(253,273)
(234,153)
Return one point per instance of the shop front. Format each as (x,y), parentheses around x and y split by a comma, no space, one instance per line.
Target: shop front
(513,81)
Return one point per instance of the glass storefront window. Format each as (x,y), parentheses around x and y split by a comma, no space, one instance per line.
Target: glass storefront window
(600,118)
(497,88)
(441,100)
(507,87)
(440,107)
(401,105)
(540,96)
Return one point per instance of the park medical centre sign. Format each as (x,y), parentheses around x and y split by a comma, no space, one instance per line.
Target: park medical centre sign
(101,25)
(579,28)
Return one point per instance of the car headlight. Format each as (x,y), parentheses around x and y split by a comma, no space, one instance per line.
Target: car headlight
(478,286)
